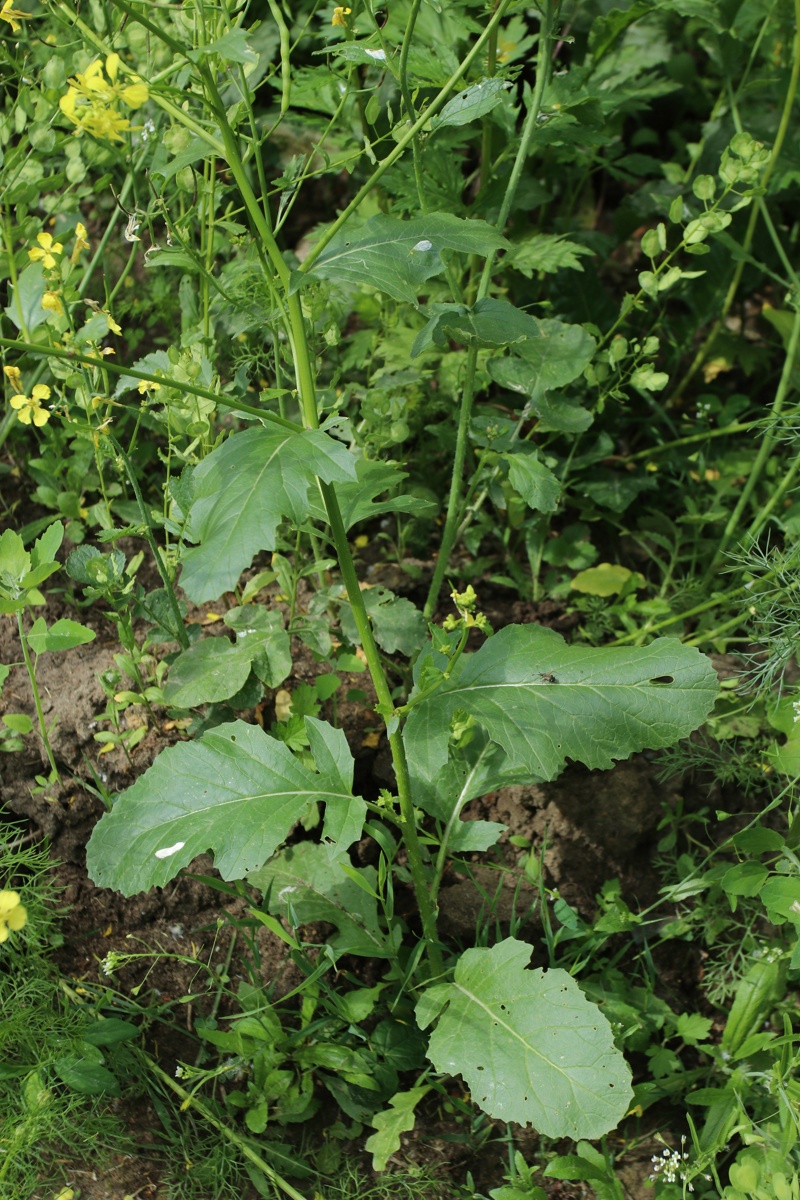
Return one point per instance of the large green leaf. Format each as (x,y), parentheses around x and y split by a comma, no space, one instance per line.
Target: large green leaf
(552,360)
(302,884)
(398,257)
(243,490)
(215,669)
(530,1046)
(532,480)
(358,501)
(236,792)
(544,701)
(473,103)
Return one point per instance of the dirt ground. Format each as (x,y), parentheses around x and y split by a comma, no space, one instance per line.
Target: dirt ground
(595,826)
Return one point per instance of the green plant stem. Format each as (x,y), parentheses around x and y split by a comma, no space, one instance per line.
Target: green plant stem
(306,386)
(386,708)
(454,503)
(180,384)
(765,450)
(188,1100)
(408,101)
(37,700)
(180,631)
(706,606)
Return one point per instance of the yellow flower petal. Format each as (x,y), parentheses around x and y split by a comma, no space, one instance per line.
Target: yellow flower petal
(40,417)
(339,17)
(41,392)
(51,303)
(112,67)
(135,94)
(18,401)
(112,324)
(7,13)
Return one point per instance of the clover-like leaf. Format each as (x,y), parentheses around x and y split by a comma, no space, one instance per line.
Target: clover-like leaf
(530,1046)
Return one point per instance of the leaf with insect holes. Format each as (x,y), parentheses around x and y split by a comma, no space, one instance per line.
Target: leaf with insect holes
(529,1045)
(398,257)
(236,792)
(543,701)
(243,490)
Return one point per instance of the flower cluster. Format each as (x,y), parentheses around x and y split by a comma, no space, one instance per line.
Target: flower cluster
(12,915)
(92,99)
(670,1166)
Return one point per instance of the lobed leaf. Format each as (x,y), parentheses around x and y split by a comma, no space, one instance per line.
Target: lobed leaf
(242,492)
(543,701)
(236,792)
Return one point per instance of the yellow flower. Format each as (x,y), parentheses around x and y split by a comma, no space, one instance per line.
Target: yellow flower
(66,1194)
(90,99)
(80,242)
(7,13)
(14,377)
(148,385)
(46,251)
(30,409)
(339,17)
(112,324)
(51,302)
(12,914)
(133,94)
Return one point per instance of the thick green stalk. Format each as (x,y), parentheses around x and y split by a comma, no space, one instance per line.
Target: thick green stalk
(306,386)
(453,516)
(386,708)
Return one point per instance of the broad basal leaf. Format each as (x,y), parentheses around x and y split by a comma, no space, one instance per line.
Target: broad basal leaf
(236,792)
(544,701)
(398,257)
(303,885)
(243,490)
(530,1046)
